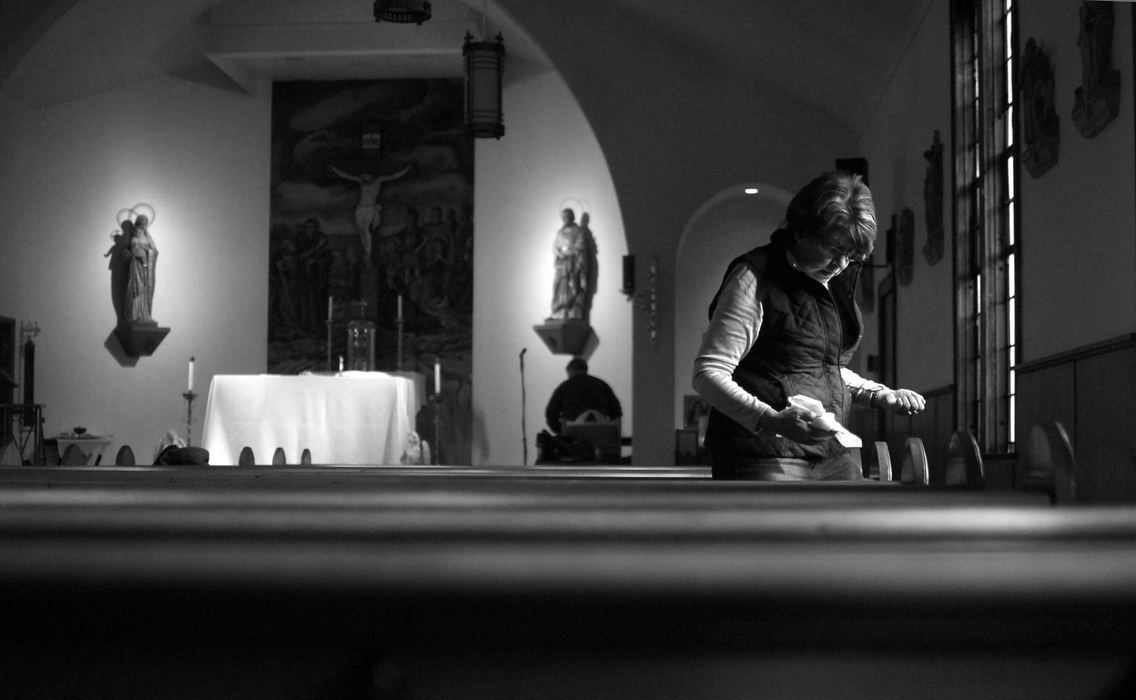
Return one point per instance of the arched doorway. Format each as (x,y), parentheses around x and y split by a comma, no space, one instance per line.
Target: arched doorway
(731,222)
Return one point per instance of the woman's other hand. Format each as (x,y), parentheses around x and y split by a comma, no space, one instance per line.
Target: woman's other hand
(902,401)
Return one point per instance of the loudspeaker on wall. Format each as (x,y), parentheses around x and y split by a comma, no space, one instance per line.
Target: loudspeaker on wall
(628,275)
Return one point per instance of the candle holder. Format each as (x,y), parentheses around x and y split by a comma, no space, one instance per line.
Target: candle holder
(330,367)
(401,324)
(189,396)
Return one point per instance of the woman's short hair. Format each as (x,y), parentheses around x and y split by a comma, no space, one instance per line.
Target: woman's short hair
(834,203)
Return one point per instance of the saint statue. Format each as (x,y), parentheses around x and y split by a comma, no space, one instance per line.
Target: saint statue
(133,266)
(571,289)
(141,281)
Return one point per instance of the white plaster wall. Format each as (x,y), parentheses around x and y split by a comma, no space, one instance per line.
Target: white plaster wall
(547,159)
(72,154)
(1078,280)
(1078,237)
(676,129)
(199,157)
(917,103)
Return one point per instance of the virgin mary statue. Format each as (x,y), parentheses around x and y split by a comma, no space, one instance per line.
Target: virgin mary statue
(140,283)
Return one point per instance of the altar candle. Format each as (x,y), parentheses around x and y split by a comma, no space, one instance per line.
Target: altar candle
(437,377)
(329,307)
(399,307)
(189,383)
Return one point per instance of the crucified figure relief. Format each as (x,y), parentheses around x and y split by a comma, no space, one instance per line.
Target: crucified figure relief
(368,210)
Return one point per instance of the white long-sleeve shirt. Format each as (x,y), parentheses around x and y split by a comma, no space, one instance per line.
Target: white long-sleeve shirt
(732,332)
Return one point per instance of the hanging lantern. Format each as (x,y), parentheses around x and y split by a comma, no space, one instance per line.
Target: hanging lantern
(484,64)
(402,11)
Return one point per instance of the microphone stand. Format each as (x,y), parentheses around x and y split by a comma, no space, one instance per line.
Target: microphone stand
(524,435)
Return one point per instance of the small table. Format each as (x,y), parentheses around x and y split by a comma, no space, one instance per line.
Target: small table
(90,446)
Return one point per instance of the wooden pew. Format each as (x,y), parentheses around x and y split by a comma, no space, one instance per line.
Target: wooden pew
(124,457)
(1049,464)
(878,460)
(963,465)
(324,581)
(246,457)
(394,485)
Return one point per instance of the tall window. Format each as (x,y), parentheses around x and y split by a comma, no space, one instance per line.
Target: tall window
(985,200)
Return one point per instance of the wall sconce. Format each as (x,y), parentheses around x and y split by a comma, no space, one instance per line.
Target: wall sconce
(646,299)
(484,65)
(402,11)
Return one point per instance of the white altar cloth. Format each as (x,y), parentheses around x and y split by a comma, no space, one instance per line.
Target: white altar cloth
(348,418)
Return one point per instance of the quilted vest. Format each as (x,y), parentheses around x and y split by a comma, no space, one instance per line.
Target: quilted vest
(807,334)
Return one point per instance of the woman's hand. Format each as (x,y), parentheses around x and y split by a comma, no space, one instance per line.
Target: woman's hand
(796,424)
(902,401)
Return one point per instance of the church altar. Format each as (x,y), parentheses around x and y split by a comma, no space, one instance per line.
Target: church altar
(345,418)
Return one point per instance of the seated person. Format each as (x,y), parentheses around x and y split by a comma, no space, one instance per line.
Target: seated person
(578,393)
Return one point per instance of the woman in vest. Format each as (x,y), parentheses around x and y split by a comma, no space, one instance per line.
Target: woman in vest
(784,324)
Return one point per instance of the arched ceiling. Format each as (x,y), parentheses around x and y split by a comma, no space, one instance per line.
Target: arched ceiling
(836,55)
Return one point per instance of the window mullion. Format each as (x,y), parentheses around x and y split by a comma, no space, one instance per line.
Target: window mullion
(985,172)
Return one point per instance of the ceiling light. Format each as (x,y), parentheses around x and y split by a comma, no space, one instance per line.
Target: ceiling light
(402,11)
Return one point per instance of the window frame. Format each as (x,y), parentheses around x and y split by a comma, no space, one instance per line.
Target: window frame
(985,178)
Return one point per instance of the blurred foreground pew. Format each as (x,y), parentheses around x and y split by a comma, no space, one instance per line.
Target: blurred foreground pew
(333,581)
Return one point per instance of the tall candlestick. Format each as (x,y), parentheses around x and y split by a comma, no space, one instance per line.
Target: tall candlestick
(189,383)
(189,397)
(437,376)
(29,371)
(399,360)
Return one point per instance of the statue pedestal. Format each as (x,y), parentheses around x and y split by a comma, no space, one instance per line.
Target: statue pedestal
(139,339)
(567,336)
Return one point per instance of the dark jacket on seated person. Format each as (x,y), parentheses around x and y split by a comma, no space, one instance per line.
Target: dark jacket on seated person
(580,392)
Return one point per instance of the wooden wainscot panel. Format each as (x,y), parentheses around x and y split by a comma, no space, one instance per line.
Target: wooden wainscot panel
(1090,392)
